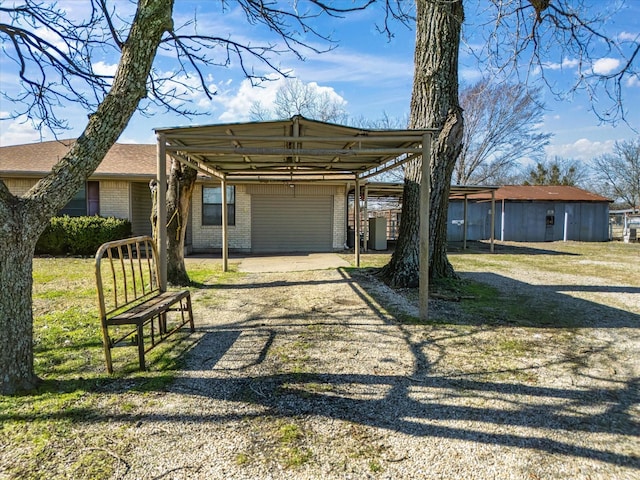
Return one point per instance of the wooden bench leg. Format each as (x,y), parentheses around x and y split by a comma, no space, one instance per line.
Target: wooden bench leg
(162,323)
(190,311)
(107,355)
(141,346)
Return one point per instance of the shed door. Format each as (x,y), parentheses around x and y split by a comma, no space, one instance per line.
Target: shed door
(291,224)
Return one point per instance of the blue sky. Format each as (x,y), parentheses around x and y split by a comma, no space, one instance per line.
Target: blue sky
(369,72)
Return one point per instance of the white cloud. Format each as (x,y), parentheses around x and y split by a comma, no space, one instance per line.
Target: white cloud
(470,75)
(51,36)
(627,36)
(236,104)
(357,67)
(17,131)
(582,149)
(107,69)
(327,92)
(633,81)
(185,91)
(566,63)
(605,65)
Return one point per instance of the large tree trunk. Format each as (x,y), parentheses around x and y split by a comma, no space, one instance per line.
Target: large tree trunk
(24,219)
(182,180)
(434,104)
(16,264)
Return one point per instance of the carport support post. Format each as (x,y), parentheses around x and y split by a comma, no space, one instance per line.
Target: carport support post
(225,228)
(356,222)
(502,216)
(464,225)
(425,192)
(161,205)
(365,214)
(493,218)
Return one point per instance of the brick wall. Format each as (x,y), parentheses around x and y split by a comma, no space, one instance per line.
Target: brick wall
(114,195)
(209,237)
(19,186)
(339,219)
(115,199)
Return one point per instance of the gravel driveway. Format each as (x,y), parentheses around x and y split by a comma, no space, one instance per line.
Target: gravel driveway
(304,375)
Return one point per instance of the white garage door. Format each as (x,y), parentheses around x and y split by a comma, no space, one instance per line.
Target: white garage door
(291,224)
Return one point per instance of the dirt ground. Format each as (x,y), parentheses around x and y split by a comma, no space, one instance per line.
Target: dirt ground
(312,375)
(327,374)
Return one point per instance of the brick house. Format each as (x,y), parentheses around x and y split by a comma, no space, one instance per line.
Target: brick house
(263,217)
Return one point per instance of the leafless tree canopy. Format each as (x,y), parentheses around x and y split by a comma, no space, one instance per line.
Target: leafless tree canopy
(619,173)
(56,56)
(501,128)
(532,38)
(295,97)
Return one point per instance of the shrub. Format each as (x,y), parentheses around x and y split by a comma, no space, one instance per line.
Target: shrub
(81,235)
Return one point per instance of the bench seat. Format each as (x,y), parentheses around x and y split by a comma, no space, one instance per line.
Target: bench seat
(150,308)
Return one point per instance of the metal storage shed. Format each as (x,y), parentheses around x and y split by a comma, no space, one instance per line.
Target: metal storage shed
(290,151)
(538,213)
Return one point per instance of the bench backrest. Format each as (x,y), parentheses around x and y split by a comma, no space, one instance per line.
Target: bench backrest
(127,273)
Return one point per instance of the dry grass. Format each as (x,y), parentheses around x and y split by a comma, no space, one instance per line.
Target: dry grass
(532,374)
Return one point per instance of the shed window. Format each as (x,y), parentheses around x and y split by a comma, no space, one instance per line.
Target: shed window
(85,202)
(212,205)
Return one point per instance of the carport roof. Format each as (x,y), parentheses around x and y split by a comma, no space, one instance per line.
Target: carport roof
(288,150)
(391,189)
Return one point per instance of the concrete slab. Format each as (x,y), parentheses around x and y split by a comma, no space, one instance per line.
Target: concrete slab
(290,263)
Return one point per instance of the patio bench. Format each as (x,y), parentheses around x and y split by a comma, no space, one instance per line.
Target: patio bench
(132,304)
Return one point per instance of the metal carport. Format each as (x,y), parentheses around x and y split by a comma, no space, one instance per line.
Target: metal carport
(394,189)
(293,150)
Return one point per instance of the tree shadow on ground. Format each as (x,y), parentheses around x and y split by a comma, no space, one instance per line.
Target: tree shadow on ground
(476,247)
(552,305)
(420,403)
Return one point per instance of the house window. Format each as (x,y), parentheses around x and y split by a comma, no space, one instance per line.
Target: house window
(85,202)
(212,205)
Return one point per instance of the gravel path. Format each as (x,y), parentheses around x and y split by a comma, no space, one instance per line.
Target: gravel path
(304,376)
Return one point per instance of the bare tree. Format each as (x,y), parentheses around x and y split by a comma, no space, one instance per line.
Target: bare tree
(517,33)
(500,128)
(294,97)
(619,173)
(54,55)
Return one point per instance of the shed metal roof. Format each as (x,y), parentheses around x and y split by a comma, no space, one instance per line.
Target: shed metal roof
(543,193)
